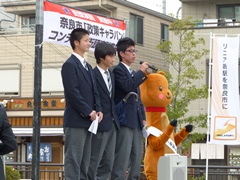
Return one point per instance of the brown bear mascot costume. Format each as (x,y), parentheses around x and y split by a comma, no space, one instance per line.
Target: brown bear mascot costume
(161,140)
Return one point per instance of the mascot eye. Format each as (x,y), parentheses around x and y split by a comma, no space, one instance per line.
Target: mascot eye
(160,88)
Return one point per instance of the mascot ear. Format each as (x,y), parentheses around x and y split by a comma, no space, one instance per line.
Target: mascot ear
(162,73)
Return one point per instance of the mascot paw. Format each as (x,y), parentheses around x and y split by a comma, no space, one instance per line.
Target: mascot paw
(189,127)
(173,123)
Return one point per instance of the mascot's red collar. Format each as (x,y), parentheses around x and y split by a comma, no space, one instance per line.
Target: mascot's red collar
(155,109)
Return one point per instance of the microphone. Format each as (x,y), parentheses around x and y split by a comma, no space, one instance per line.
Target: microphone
(150,66)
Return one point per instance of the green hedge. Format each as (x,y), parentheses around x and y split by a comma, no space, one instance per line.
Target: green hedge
(12,174)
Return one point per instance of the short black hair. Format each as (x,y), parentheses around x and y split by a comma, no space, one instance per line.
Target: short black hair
(123,44)
(76,35)
(102,49)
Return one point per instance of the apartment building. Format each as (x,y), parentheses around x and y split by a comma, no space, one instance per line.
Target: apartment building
(17,42)
(221,18)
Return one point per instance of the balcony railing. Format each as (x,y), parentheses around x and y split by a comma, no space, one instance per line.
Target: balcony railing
(56,172)
(215,23)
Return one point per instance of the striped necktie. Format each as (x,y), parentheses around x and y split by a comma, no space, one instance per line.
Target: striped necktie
(109,82)
(85,64)
(131,72)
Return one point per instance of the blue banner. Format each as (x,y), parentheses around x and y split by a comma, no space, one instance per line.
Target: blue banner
(45,152)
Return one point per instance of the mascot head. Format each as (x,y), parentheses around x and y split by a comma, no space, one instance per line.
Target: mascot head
(155,92)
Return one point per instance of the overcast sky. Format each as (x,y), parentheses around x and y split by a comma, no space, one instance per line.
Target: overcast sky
(172,6)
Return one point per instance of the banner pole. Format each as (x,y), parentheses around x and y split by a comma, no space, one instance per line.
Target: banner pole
(209,102)
(37,90)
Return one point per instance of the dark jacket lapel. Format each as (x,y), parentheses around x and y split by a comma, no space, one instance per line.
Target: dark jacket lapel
(83,70)
(101,80)
(125,69)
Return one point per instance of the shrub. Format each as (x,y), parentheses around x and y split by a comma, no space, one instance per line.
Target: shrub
(199,178)
(12,174)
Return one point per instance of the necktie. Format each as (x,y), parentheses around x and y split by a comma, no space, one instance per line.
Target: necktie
(131,72)
(109,82)
(85,64)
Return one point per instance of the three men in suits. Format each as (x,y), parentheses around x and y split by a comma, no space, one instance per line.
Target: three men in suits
(103,143)
(129,137)
(82,107)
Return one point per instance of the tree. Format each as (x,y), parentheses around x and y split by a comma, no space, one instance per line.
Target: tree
(186,73)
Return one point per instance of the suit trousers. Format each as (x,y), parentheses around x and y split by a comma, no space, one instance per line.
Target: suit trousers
(127,154)
(77,153)
(2,175)
(102,155)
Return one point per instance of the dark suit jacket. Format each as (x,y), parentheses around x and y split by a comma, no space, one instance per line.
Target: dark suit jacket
(80,92)
(124,84)
(7,137)
(107,102)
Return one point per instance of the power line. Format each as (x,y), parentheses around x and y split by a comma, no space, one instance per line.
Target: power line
(53,47)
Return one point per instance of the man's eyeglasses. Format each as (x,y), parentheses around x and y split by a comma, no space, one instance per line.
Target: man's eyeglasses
(132,51)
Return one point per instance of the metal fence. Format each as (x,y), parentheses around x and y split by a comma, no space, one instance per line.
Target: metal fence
(195,172)
(214,172)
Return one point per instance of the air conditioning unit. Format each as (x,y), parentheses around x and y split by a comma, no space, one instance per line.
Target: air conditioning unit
(172,167)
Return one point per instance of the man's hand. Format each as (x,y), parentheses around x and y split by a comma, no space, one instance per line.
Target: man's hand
(100,116)
(144,66)
(144,123)
(92,115)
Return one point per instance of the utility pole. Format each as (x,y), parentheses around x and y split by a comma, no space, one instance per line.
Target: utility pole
(164,11)
(37,90)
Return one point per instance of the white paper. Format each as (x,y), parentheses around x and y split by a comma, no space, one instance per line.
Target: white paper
(214,151)
(94,126)
(211,151)
(150,130)
(145,132)
(195,151)
(219,151)
(203,150)
(154,131)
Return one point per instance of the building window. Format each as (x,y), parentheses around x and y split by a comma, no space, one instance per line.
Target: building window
(10,80)
(229,12)
(136,28)
(164,32)
(28,24)
(51,79)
